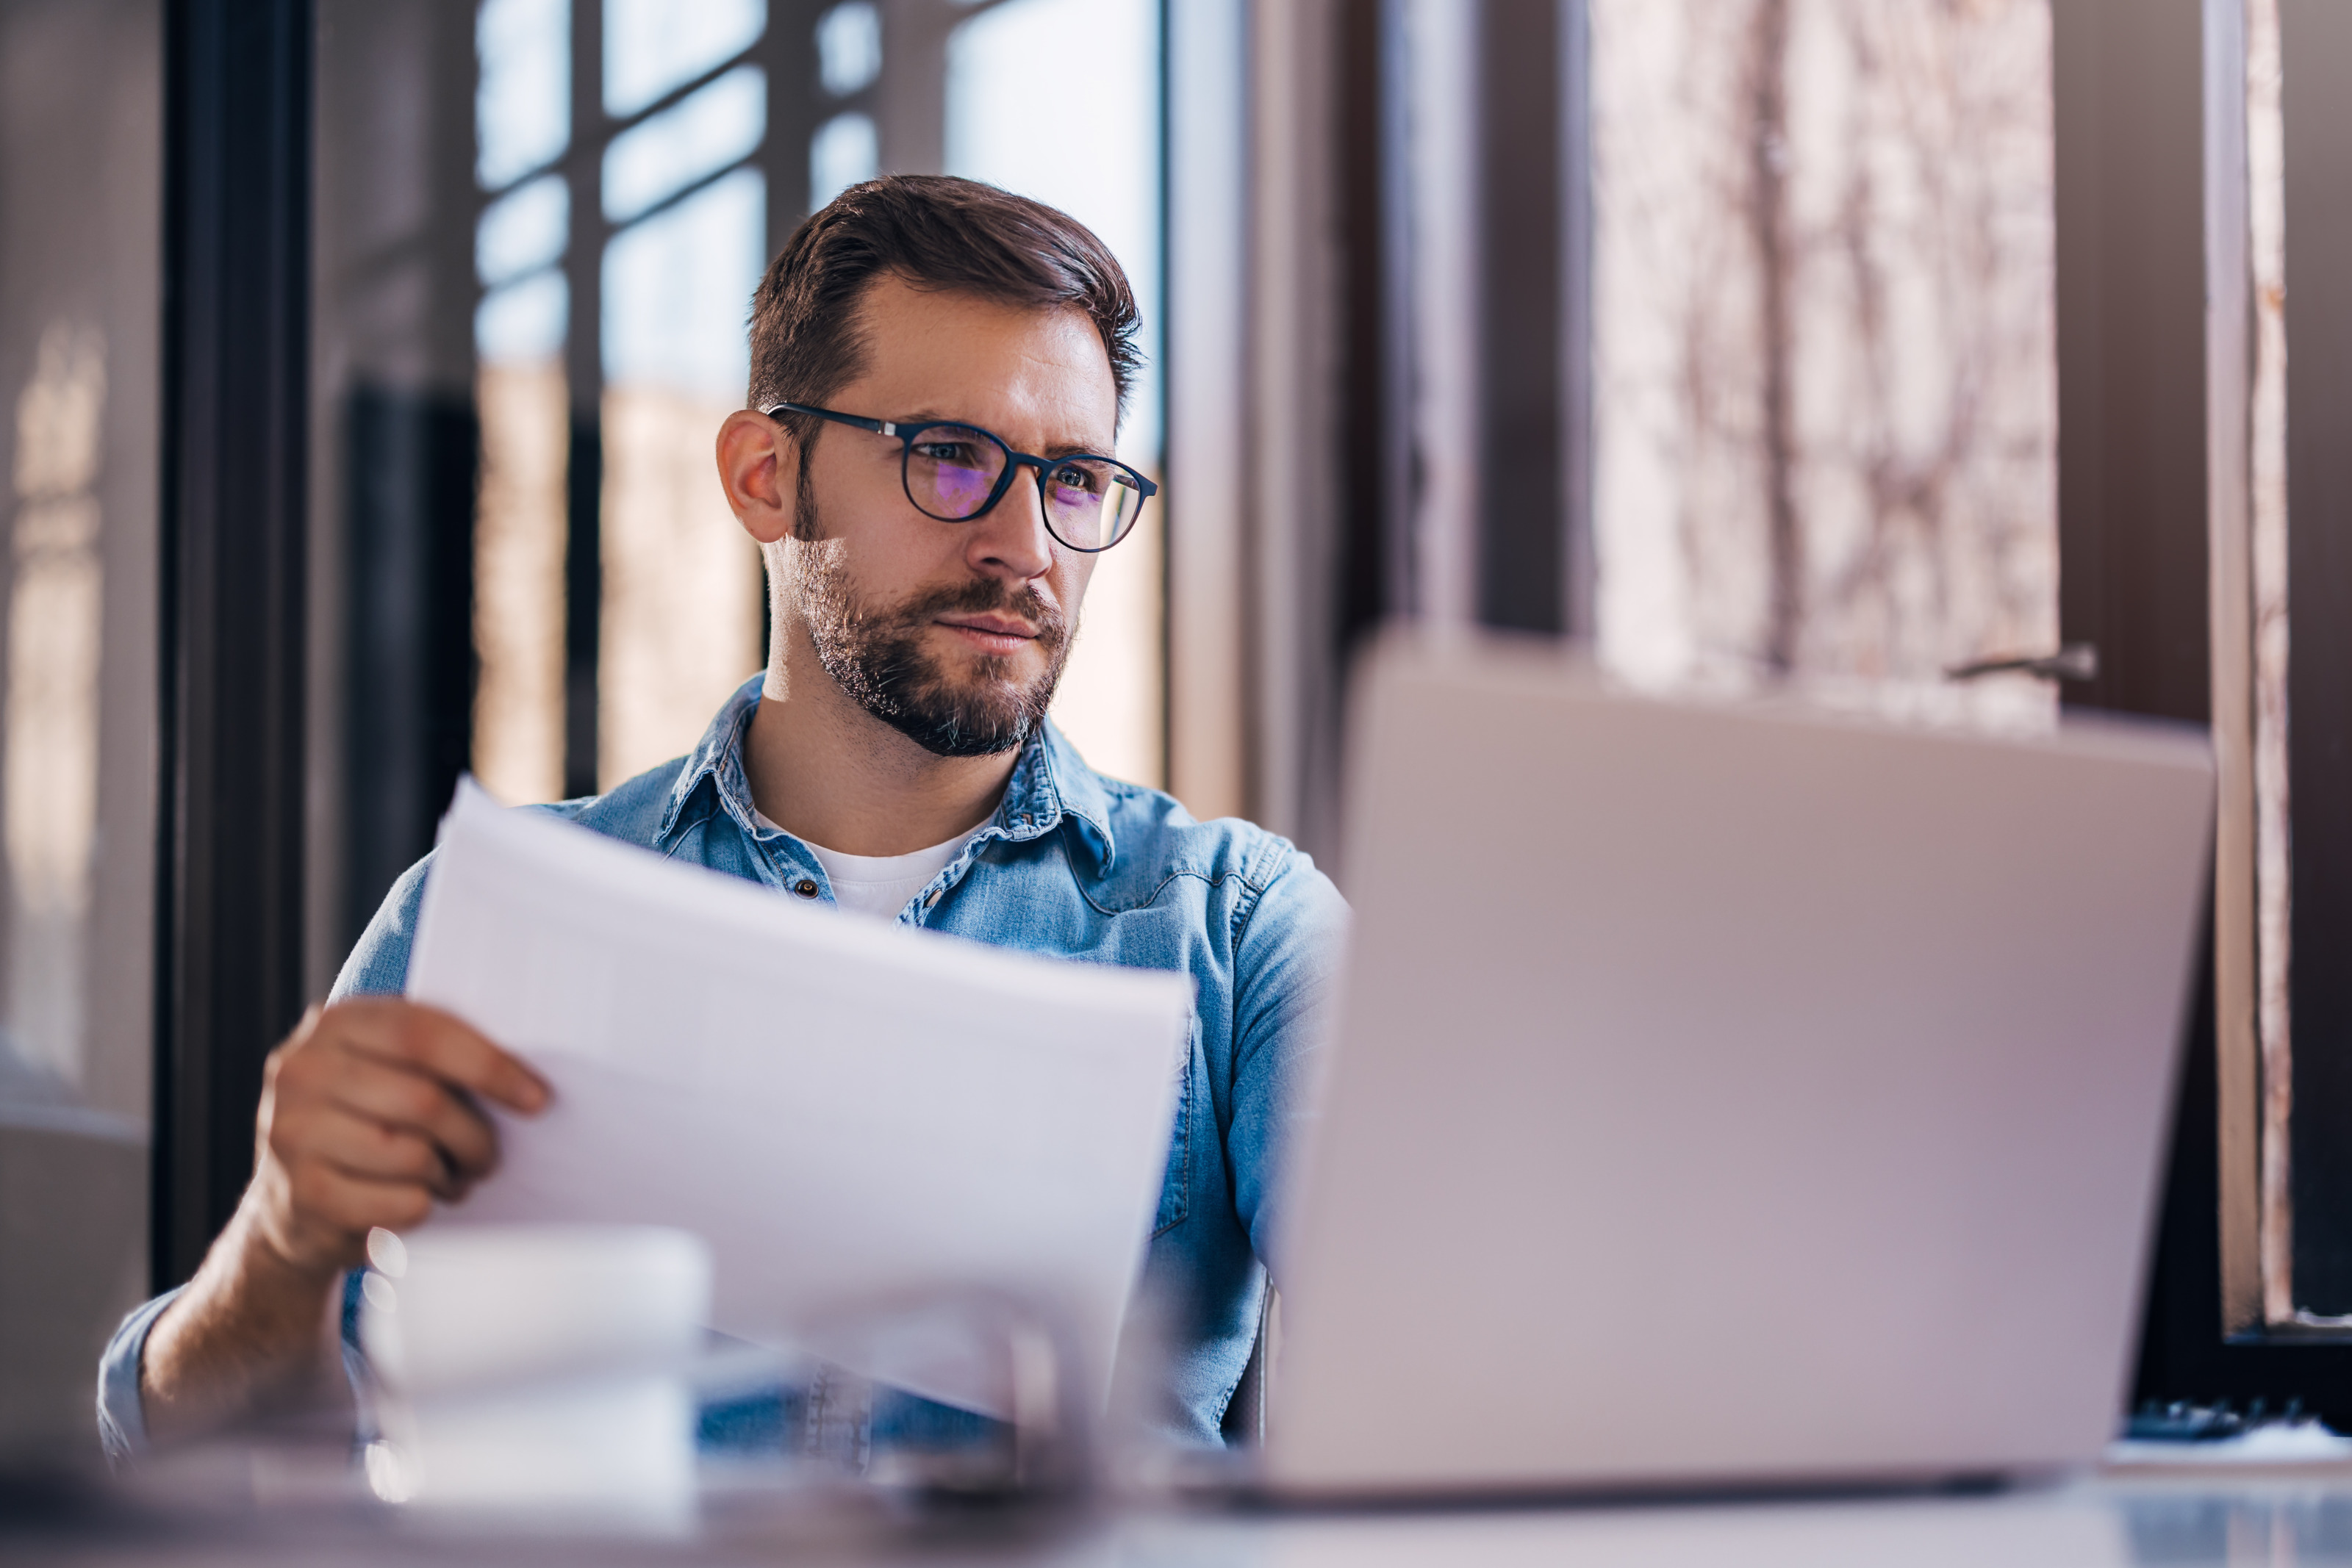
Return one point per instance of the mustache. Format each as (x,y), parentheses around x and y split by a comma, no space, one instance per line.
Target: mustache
(986,596)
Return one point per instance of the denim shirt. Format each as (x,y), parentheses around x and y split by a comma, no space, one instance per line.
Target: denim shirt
(1073,864)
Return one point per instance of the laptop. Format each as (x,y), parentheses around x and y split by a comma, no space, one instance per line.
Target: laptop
(1730,1098)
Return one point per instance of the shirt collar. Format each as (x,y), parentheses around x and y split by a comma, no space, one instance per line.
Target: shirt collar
(1050,780)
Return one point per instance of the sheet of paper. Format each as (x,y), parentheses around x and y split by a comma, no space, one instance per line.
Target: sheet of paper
(854,1114)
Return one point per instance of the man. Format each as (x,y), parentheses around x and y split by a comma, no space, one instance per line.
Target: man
(935,368)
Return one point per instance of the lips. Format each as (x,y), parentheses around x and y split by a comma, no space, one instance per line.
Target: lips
(988,618)
(992,627)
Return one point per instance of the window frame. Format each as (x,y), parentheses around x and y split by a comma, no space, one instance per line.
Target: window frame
(232,574)
(2205,1338)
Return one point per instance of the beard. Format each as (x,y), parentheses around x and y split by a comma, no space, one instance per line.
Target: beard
(877,654)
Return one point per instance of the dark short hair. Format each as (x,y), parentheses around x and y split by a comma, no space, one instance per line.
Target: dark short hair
(937,232)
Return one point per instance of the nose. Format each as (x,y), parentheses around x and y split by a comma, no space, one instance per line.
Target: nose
(1012,541)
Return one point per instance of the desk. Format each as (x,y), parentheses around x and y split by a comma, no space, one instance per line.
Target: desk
(2138,1521)
(2126,1523)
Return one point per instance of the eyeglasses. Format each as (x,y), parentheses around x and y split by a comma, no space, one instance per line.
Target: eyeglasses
(956,472)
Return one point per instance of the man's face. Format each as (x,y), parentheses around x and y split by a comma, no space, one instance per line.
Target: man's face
(954,633)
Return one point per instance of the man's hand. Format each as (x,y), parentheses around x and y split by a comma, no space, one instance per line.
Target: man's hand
(371,1110)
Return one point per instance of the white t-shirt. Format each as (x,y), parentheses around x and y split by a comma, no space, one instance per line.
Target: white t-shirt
(878,885)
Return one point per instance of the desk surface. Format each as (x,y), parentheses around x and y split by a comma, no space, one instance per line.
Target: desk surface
(2275,1517)
(2172,1521)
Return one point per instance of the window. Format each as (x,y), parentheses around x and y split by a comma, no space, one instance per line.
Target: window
(527,349)
(2281,700)
(1824,355)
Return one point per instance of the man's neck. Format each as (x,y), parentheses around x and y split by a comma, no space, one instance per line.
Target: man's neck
(826,772)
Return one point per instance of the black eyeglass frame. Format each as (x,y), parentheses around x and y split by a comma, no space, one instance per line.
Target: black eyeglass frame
(908,433)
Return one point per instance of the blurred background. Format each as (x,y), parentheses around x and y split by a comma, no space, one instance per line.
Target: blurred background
(366,360)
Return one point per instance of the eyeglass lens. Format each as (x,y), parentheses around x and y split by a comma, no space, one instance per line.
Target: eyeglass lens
(952,470)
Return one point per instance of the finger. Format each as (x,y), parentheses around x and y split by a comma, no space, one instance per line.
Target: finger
(354,1203)
(404,1097)
(364,1147)
(399,1093)
(405,1031)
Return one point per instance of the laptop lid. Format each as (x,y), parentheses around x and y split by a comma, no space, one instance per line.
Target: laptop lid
(1724,1097)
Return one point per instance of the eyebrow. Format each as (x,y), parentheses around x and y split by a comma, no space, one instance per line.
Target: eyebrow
(1056,449)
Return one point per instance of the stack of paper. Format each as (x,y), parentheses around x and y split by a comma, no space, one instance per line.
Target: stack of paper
(857,1115)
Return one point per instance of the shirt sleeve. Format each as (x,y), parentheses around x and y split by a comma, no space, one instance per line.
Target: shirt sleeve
(1286,973)
(121,1418)
(122,1414)
(378,965)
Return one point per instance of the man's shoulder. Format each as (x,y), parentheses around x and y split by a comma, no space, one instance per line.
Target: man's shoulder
(1153,839)
(1154,830)
(633,812)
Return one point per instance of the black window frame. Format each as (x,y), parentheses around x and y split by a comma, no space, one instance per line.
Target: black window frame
(2143,416)
(230,731)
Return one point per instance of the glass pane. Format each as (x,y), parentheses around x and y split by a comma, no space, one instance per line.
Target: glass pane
(849,47)
(80,205)
(718,125)
(518,552)
(523,231)
(676,616)
(847,151)
(653,46)
(522,109)
(522,119)
(1823,350)
(681,598)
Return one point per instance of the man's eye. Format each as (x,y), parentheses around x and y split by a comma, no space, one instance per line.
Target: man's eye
(949,454)
(1072,476)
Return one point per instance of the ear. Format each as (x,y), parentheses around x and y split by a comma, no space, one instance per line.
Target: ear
(759,464)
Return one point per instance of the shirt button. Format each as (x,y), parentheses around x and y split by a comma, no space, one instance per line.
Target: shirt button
(805,888)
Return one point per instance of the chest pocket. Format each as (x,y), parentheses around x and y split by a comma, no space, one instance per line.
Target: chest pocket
(1176,1189)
